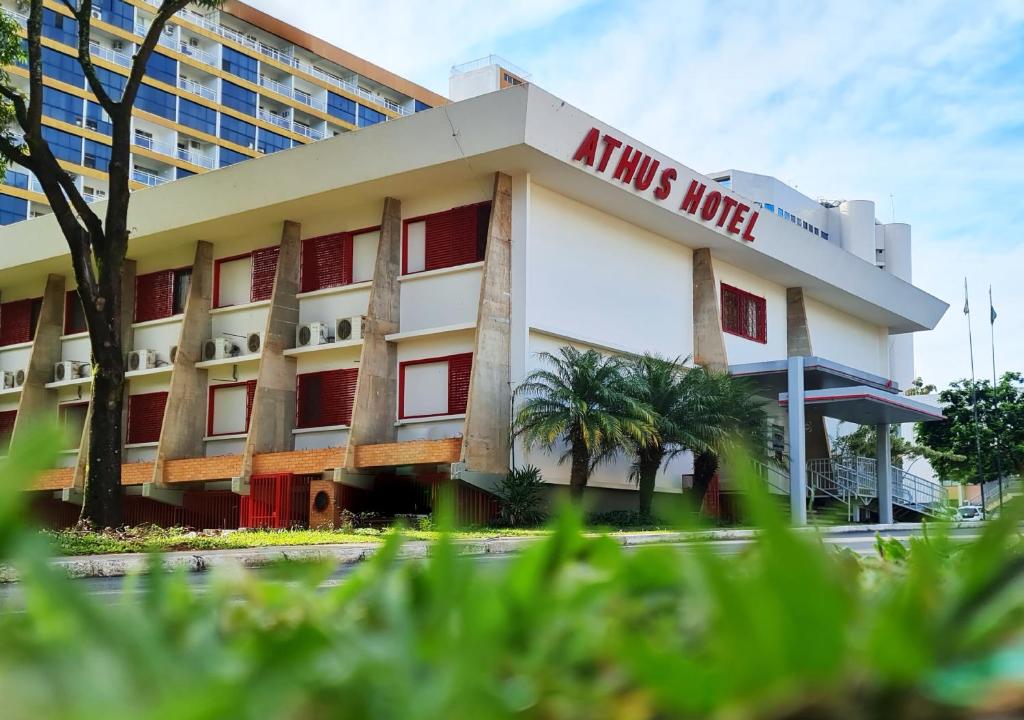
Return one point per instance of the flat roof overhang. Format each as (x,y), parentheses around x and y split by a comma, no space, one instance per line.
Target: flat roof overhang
(819,373)
(866,405)
(520,130)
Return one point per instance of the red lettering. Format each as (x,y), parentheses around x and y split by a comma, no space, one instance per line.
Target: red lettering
(610,145)
(691,201)
(737,218)
(728,204)
(627,165)
(748,231)
(711,203)
(587,151)
(665,184)
(645,175)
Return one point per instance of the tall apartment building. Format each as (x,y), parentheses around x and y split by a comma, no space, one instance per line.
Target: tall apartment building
(220,88)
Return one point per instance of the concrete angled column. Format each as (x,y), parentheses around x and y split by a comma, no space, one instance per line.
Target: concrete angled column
(708,341)
(798,343)
(797,449)
(272,417)
(486,440)
(37,402)
(375,406)
(883,462)
(184,422)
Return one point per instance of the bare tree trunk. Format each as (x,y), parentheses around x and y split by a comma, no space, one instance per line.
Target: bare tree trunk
(649,460)
(579,473)
(705,465)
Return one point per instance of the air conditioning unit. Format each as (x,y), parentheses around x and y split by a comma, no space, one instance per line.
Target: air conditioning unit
(168,29)
(350,328)
(314,333)
(193,42)
(84,370)
(141,360)
(8,379)
(97,14)
(118,44)
(19,378)
(64,370)
(173,354)
(218,349)
(253,342)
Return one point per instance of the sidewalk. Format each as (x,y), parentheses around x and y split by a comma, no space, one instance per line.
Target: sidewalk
(117,565)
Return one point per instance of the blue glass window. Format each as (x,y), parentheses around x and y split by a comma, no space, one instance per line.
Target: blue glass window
(769,207)
(162,68)
(12,209)
(369,116)
(96,118)
(197,116)
(420,106)
(62,67)
(271,142)
(156,101)
(65,146)
(112,82)
(97,155)
(62,106)
(237,131)
(341,108)
(237,97)
(824,235)
(116,12)
(238,64)
(779,211)
(182,173)
(230,157)
(16,179)
(60,28)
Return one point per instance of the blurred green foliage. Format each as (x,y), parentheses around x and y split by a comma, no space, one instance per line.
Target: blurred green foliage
(574,627)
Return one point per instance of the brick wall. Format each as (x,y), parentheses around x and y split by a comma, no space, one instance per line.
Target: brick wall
(299,461)
(412,452)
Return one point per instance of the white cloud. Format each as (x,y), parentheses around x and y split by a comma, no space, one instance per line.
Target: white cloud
(920,101)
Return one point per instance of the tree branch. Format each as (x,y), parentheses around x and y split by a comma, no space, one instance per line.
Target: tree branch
(18,101)
(84,16)
(35,68)
(15,153)
(167,10)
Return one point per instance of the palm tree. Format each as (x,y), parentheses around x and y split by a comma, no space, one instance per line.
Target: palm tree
(580,401)
(695,409)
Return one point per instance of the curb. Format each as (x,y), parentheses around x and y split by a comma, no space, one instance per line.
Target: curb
(119,565)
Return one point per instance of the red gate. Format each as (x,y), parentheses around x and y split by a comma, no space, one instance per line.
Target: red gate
(275,501)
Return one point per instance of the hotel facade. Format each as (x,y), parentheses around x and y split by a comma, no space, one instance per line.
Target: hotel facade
(343,326)
(220,87)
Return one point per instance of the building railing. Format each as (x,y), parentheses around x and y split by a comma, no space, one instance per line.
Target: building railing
(193,52)
(196,158)
(144,141)
(293,93)
(147,178)
(17,17)
(118,58)
(307,131)
(304,130)
(167,39)
(196,89)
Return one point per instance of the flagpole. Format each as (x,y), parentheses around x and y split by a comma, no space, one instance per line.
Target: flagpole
(992,332)
(974,395)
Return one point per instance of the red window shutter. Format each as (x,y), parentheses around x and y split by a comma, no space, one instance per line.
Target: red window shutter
(7,427)
(326,261)
(326,398)
(74,313)
(744,314)
(146,417)
(250,394)
(459,367)
(15,322)
(264,269)
(451,238)
(154,295)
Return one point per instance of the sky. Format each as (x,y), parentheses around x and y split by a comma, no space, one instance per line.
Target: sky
(918,106)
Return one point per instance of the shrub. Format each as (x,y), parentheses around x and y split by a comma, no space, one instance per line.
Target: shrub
(521,496)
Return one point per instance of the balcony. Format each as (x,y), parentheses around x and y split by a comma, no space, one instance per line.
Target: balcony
(147,142)
(167,39)
(147,178)
(196,158)
(17,17)
(294,94)
(287,124)
(118,58)
(193,52)
(195,88)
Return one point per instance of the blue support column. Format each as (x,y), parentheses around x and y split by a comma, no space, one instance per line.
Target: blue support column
(797,440)
(883,462)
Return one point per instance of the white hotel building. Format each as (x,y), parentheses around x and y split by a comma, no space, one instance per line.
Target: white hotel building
(429,260)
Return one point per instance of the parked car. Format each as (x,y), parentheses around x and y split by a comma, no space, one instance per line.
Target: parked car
(970,512)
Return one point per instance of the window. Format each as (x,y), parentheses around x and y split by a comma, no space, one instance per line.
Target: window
(338,259)
(162,68)
(744,314)
(196,116)
(18,319)
(72,421)
(454,237)
(63,67)
(237,97)
(237,131)
(230,405)
(16,179)
(238,64)
(60,28)
(116,12)
(74,314)
(12,209)
(7,418)
(97,155)
(161,294)
(145,417)
(183,173)
(62,106)
(325,398)
(96,118)
(824,235)
(270,142)
(245,278)
(65,146)
(341,107)
(156,101)
(230,157)
(369,116)
(112,82)
(434,386)
(420,106)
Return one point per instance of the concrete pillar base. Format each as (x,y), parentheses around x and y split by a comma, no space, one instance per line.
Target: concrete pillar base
(162,494)
(70,495)
(240,485)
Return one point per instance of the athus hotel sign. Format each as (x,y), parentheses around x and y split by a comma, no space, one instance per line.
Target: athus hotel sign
(633,167)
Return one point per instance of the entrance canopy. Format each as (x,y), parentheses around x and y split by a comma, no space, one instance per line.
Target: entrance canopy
(866,405)
(819,373)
